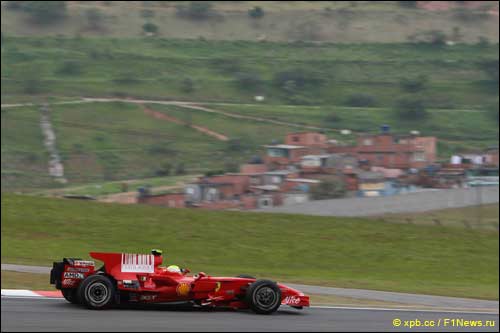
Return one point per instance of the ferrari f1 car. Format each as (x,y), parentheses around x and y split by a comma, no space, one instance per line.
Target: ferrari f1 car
(139,278)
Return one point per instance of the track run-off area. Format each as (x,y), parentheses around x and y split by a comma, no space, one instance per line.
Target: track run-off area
(55,314)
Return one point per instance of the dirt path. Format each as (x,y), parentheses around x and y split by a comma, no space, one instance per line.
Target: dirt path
(204,130)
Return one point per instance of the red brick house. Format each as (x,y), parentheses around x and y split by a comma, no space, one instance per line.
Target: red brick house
(307,139)
(390,151)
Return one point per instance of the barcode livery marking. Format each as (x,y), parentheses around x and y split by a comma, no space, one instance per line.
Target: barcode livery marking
(137,263)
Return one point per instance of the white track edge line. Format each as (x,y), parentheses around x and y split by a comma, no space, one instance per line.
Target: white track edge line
(399,309)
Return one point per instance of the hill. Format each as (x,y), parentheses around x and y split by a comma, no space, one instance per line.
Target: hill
(324,21)
(341,252)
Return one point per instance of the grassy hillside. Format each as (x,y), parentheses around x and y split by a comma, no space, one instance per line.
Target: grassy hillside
(336,21)
(331,251)
(237,71)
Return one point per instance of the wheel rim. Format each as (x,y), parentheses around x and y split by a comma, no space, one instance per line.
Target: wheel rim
(97,293)
(265,297)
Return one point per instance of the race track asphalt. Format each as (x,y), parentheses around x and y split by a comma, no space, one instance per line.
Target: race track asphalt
(26,314)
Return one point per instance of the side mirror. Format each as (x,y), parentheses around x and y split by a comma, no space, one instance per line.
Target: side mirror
(185,271)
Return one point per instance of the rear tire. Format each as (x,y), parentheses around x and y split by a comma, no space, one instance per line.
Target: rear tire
(263,297)
(97,292)
(71,295)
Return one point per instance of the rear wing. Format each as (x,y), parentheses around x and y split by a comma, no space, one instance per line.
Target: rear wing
(70,272)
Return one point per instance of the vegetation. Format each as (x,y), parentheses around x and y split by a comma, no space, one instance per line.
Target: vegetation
(411,108)
(44,12)
(150,28)
(195,10)
(329,188)
(365,253)
(256,12)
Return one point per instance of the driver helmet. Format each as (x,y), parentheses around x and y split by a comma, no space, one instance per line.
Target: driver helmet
(156,252)
(174,269)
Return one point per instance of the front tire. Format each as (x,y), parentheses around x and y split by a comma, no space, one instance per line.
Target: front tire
(263,297)
(97,292)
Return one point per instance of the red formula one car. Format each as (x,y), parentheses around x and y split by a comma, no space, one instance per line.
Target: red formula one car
(139,278)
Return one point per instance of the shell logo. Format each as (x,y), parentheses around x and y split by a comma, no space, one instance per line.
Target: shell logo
(183,289)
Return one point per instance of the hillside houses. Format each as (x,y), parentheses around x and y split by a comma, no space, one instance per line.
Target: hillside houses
(382,164)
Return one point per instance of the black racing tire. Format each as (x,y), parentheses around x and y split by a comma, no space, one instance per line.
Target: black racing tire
(263,297)
(71,295)
(245,276)
(97,292)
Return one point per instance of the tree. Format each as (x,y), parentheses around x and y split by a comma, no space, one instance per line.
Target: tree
(414,84)
(248,80)
(45,12)
(94,18)
(490,68)
(329,188)
(360,100)
(70,67)
(300,78)
(164,169)
(150,28)
(256,12)
(187,85)
(411,108)
(195,10)
(180,169)
(493,111)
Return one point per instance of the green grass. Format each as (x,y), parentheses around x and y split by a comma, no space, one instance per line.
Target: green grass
(157,67)
(24,158)
(17,280)
(106,188)
(343,252)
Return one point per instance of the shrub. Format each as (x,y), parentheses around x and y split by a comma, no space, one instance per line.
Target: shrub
(360,100)
(256,12)
(126,78)
(164,169)
(94,18)
(180,169)
(329,188)
(45,12)
(160,149)
(333,118)
(231,166)
(299,77)
(493,111)
(234,145)
(195,10)
(414,84)
(32,86)
(150,28)
(248,80)
(70,67)
(411,108)
(433,37)
(211,173)
(490,68)
(187,85)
